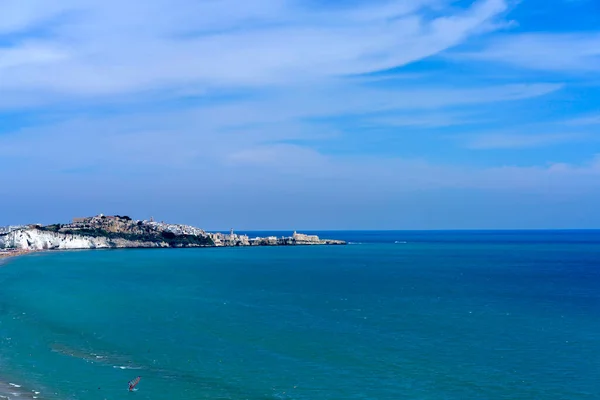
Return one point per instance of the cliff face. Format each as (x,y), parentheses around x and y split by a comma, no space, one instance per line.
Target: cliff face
(34,239)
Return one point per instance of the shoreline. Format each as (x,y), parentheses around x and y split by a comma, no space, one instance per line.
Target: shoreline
(6,254)
(122,232)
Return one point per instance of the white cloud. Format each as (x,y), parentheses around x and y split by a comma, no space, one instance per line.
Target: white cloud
(284,157)
(564,52)
(215,131)
(110,47)
(523,140)
(174,149)
(586,120)
(29,53)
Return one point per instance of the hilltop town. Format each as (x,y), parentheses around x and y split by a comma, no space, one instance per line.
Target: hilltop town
(117,231)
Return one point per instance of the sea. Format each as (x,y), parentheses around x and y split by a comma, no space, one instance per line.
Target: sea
(392,315)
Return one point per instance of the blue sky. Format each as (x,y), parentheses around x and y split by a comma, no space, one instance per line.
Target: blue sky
(302,114)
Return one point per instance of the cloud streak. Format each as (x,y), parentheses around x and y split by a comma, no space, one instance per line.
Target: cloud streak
(111,47)
(557,52)
(522,141)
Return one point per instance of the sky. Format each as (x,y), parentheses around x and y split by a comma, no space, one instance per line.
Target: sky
(302,114)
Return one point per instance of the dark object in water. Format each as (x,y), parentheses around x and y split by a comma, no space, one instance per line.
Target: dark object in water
(133,383)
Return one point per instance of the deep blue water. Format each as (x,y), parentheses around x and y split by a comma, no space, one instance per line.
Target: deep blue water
(398,315)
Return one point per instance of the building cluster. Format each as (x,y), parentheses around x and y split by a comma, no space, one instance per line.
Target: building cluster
(302,238)
(176,229)
(233,239)
(111,223)
(8,229)
(94,222)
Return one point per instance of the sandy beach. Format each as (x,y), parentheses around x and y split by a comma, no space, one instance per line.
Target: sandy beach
(7,253)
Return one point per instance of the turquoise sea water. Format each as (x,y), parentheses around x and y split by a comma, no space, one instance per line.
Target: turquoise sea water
(397,315)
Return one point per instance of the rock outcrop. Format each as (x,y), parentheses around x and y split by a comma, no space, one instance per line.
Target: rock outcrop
(35,239)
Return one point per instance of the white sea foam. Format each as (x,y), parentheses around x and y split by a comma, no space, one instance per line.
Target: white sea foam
(125,367)
(11,390)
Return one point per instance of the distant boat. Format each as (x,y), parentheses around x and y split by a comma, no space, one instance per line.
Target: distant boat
(399,242)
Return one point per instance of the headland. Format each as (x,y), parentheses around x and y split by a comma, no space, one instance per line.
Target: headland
(106,232)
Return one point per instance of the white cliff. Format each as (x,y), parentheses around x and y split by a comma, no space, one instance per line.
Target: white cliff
(34,239)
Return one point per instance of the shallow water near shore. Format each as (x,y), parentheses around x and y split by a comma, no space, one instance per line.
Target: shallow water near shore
(412,315)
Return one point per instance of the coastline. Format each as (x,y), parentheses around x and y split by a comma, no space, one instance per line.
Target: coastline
(118,231)
(102,238)
(6,254)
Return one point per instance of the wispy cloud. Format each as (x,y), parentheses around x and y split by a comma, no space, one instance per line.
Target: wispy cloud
(567,52)
(585,120)
(523,140)
(216,131)
(113,47)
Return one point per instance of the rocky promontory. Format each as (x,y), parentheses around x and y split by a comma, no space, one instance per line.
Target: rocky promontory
(105,232)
